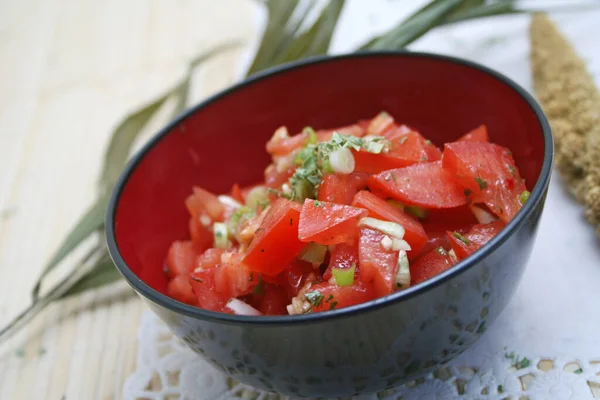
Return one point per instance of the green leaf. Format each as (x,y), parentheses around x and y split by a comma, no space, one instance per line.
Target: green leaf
(103,273)
(317,39)
(92,221)
(279,14)
(414,27)
(84,267)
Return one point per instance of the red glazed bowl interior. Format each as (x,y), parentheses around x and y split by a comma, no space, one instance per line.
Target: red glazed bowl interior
(222,141)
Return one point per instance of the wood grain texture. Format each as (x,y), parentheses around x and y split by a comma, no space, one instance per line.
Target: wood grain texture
(70,70)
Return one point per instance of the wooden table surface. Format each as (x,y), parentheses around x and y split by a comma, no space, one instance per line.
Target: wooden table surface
(69,71)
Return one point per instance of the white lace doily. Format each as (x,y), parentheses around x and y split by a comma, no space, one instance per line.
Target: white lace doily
(545,345)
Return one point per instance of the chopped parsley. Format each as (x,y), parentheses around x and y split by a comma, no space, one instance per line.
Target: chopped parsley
(578,371)
(259,288)
(500,389)
(398,285)
(329,298)
(315,298)
(461,238)
(241,215)
(332,305)
(317,203)
(468,192)
(518,363)
(482,184)
(313,161)
(511,169)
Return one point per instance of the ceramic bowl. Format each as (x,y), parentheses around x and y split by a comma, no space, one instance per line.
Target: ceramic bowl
(367,347)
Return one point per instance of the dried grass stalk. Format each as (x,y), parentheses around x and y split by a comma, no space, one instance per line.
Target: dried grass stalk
(571,101)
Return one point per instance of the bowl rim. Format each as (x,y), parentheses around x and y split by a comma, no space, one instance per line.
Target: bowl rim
(163,300)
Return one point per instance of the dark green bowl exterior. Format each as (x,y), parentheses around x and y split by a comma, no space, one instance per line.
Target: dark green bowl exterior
(369,347)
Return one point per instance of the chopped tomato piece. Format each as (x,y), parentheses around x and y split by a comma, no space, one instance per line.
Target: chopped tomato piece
(180,289)
(467,244)
(324,135)
(211,258)
(380,124)
(378,208)
(281,143)
(407,148)
(479,134)
(202,202)
(275,243)
(234,279)
(237,194)
(487,172)
(328,223)
(425,185)
(203,285)
(327,296)
(449,219)
(274,178)
(272,300)
(297,275)
(436,239)
(201,236)
(429,265)
(341,188)
(377,265)
(343,256)
(181,258)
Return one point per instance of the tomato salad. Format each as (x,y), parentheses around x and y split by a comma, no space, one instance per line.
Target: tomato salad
(343,216)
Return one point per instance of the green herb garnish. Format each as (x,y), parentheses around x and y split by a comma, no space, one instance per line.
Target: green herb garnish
(417,211)
(482,184)
(461,238)
(315,298)
(333,304)
(578,371)
(468,192)
(259,288)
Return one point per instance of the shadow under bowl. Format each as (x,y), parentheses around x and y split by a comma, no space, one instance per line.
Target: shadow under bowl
(367,347)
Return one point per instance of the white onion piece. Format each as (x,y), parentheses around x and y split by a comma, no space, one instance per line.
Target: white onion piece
(342,161)
(400,245)
(241,308)
(229,201)
(389,228)
(482,216)
(257,195)
(453,257)
(402,279)
(387,243)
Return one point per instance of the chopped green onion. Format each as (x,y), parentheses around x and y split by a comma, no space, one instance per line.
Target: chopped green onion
(389,228)
(345,276)
(396,204)
(374,144)
(342,161)
(402,278)
(220,235)
(256,196)
(240,216)
(313,253)
(461,238)
(312,135)
(417,211)
(523,197)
